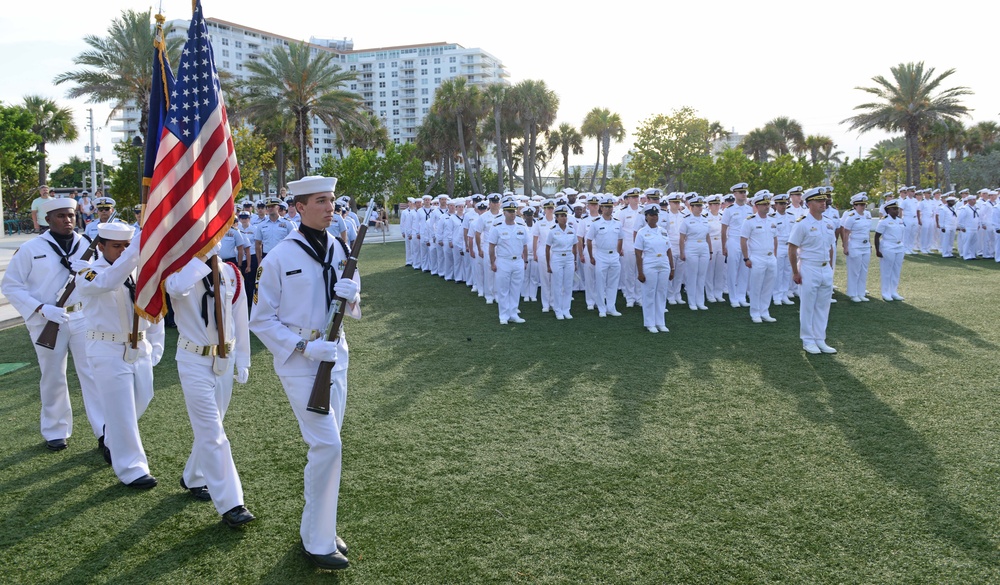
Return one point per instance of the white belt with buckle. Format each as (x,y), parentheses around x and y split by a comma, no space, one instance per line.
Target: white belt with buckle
(74,308)
(113,337)
(203,350)
(307,334)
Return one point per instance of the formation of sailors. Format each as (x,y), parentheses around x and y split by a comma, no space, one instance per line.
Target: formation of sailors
(655,250)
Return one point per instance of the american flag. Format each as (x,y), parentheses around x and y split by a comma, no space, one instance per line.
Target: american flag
(195,178)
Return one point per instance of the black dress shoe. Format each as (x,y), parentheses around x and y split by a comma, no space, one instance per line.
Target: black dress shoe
(334,561)
(237,517)
(199,493)
(55,444)
(341,546)
(144,483)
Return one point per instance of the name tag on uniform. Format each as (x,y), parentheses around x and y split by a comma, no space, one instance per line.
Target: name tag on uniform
(293,272)
(37,257)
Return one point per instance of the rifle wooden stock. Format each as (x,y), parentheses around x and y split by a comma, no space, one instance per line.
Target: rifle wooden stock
(319,398)
(47,338)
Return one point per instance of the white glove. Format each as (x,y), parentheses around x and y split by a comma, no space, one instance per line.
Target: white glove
(321,350)
(242,375)
(215,250)
(348,290)
(54,313)
(157,354)
(79,265)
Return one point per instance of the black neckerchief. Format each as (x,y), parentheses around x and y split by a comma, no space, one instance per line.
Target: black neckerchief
(64,249)
(324,256)
(209,293)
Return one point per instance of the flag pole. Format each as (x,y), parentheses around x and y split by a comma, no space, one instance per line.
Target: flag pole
(219,324)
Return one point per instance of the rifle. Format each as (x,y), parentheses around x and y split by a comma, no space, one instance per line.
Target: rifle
(319,399)
(47,338)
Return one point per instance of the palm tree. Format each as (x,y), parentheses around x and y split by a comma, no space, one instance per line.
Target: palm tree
(790,130)
(536,107)
(909,103)
(462,103)
(981,136)
(613,130)
(813,144)
(760,142)
(120,66)
(293,82)
(51,124)
(493,96)
(565,139)
(370,136)
(593,127)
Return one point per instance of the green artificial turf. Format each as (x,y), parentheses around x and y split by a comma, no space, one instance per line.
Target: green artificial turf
(583,451)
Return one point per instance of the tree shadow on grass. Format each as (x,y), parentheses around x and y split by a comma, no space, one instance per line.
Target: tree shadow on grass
(829,394)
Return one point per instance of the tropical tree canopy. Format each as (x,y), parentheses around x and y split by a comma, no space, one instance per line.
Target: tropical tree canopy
(294,83)
(119,67)
(51,123)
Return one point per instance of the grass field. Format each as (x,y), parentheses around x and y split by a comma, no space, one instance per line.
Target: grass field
(583,451)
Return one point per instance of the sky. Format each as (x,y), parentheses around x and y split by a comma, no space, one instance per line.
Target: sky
(738,63)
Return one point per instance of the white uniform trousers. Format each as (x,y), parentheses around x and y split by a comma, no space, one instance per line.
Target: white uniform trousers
(984,239)
(57,413)
(529,290)
(911,235)
(323,459)
(545,282)
(589,282)
(816,294)
(607,274)
(509,278)
(968,242)
(926,237)
(996,243)
(126,390)
(457,264)
(489,278)
(561,291)
(890,266)
(857,271)
(760,284)
(478,278)
(782,275)
(654,296)
(211,460)
(696,269)
(737,274)
(947,245)
(629,284)
(435,256)
(990,241)
(680,273)
(446,266)
(408,247)
(715,280)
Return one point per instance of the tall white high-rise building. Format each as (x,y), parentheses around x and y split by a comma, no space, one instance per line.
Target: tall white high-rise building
(396,83)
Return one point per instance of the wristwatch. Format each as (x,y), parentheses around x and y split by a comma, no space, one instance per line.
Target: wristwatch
(300,346)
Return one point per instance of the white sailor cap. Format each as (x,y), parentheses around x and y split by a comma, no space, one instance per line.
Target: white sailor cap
(104,202)
(651,208)
(579,204)
(509,204)
(528,209)
(690,196)
(562,210)
(695,199)
(887,195)
(982,191)
(607,201)
(593,198)
(549,203)
(891,203)
(562,201)
(115,231)
(282,205)
(729,197)
(969,196)
(570,191)
(963,192)
(796,190)
(241,215)
(935,191)
(763,192)
(482,205)
(739,187)
(50,205)
(815,194)
(312,184)
(458,201)
(633,192)
(713,199)
(410,200)
(861,197)
(950,198)
(493,197)
(762,197)
(779,198)
(675,196)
